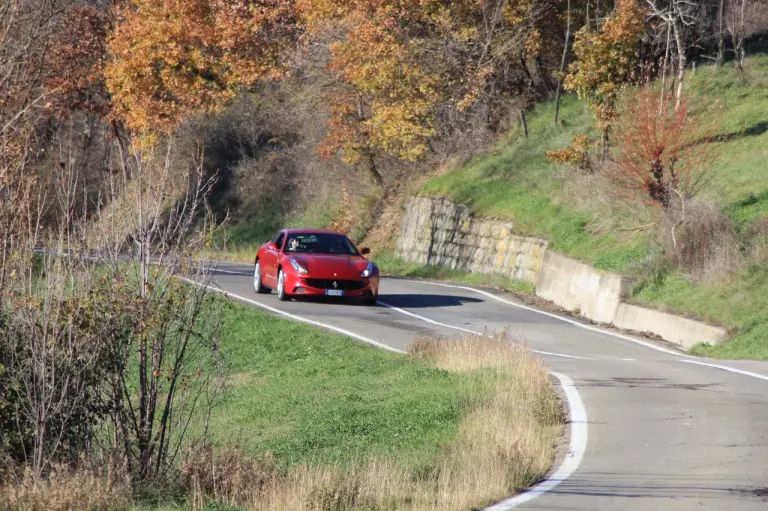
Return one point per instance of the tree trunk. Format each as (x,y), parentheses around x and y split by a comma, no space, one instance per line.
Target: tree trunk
(677,27)
(720,34)
(562,63)
(524,122)
(373,170)
(666,64)
(367,151)
(740,52)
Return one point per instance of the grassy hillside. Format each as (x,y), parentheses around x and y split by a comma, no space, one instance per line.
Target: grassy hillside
(516,182)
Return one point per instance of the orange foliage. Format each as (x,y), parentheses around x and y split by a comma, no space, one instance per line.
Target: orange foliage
(401,63)
(607,59)
(75,64)
(575,155)
(172,58)
(398,94)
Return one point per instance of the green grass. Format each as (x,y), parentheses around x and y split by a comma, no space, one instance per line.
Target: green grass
(390,265)
(309,396)
(739,302)
(516,182)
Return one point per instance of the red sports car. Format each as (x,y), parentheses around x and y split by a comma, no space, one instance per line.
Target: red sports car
(312,262)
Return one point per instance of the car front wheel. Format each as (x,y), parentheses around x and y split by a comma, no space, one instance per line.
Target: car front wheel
(258,284)
(281,294)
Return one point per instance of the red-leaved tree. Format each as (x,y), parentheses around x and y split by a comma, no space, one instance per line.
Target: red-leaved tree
(664,154)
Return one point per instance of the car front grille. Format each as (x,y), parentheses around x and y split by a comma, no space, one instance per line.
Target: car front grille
(346,285)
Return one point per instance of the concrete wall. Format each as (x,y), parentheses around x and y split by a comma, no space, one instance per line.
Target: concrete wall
(442,232)
(682,331)
(577,286)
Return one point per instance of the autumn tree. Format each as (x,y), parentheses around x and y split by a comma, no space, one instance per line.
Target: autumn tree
(607,59)
(408,73)
(75,64)
(172,58)
(664,155)
(678,16)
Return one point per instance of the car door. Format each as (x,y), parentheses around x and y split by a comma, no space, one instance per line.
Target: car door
(271,255)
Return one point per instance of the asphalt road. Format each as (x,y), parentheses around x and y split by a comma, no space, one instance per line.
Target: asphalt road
(664,431)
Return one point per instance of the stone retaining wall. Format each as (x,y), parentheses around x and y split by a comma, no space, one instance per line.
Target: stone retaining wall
(442,232)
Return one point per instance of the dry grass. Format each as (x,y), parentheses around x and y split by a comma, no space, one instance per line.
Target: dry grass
(386,221)
(707,243)
(594,193)
(64,490)
(505,443)
(757,237)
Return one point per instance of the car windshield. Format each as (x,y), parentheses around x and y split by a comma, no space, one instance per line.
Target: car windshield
(320,243)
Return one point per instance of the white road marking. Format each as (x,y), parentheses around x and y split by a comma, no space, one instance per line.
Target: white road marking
(230,272)
(427,320)
(576,449)
(555,316)
(467,330)
(726,368)
(298,318)
(562,355)
(686,358)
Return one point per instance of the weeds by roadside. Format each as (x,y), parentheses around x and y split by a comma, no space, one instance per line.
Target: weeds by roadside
(64,490)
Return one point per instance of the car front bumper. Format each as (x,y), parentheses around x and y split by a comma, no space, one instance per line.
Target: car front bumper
(301,285)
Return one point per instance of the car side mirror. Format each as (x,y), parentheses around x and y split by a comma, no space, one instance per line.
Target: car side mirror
(365,251)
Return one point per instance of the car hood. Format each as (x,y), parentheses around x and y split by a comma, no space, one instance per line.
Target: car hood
(331,265)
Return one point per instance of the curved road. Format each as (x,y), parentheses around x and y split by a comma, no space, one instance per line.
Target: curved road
(665,431)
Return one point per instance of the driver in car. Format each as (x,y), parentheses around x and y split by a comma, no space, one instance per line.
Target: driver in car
(293,245)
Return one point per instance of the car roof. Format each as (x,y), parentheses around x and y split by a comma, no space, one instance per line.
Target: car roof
(311,231)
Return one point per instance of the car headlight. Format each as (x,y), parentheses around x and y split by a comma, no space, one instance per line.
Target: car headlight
(296,266)
(368,271)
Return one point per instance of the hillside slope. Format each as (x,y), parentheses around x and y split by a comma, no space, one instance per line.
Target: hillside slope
(579,215)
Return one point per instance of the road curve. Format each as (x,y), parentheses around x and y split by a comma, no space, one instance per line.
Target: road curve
(666,431)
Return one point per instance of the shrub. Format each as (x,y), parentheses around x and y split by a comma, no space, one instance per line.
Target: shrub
(663,154)
(224,475)
(576,155)
(706,245)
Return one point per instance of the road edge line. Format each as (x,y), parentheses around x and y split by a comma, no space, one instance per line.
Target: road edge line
(469,331)
(294,317)
(726,368)
(576,449)
(551,315)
